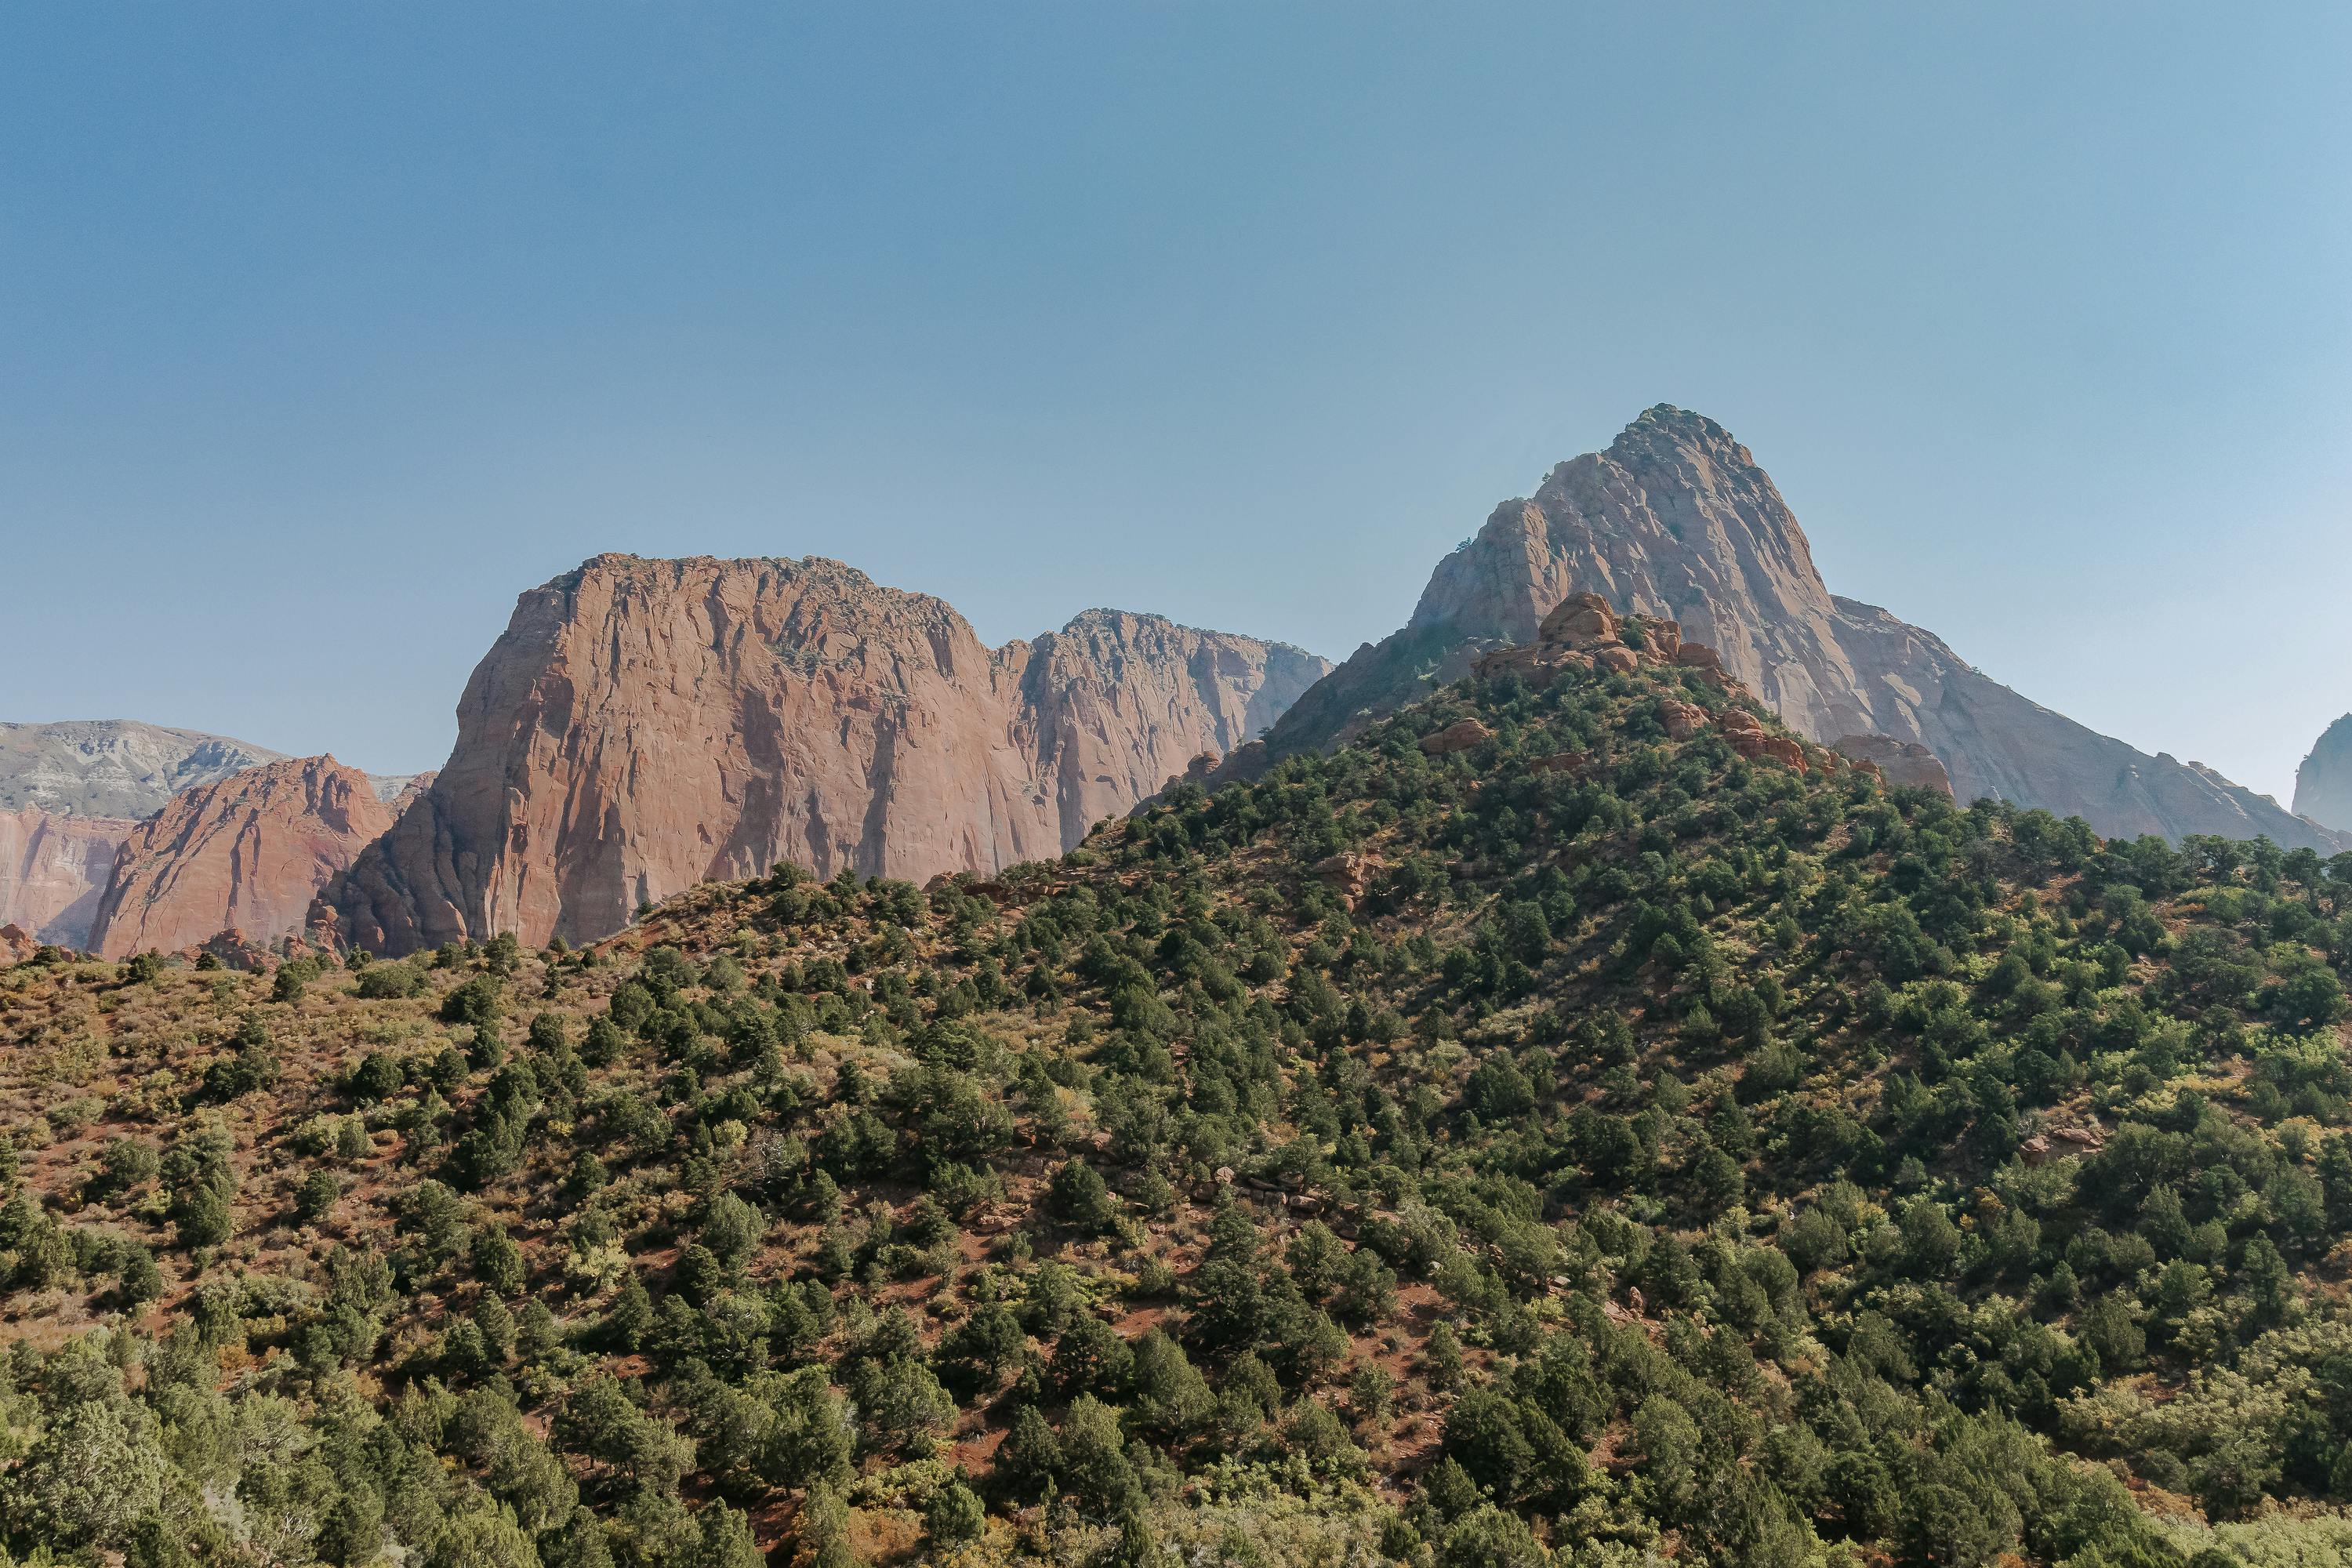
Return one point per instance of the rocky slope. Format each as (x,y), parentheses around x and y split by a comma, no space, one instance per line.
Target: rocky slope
(249,852)
(646,725)
(1403,1162)
(112,767)
(2323,785)
(1676,520)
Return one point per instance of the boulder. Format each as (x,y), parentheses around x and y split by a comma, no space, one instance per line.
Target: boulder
(1347,874)
(1618,661)
(234,949)
(1458,736)
(1661,640)
(1581,620)
(1699,656)
(1737,722)
(1682,720)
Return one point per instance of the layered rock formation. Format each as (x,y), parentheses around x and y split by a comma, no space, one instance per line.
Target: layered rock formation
(2323,785)
(250,852)
(644,725)
(112,767)
(53,870)
(1906,763)
(71,793)
(1676,521)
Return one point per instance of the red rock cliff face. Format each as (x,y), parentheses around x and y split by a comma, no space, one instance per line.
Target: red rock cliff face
(53,872)
(251,851)
(646,725)
(1676,519)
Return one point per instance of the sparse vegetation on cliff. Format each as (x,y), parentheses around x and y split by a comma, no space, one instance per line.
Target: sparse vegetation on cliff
(1583,1146)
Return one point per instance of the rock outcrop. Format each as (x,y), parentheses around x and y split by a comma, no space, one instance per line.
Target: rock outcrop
(644,725)
(53,872)
(2323,785)
(112,767)
(1902,763)
(250,852)
(1676,522)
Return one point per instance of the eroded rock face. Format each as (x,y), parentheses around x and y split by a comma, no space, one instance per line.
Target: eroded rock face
(1905,763)
(2323,785)
(646,725)
(250,852)
(1676,522)
(53,872)
(70,792)
(1458,736)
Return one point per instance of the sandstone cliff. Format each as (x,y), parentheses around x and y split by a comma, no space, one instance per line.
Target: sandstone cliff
(644,725)
(70,792)
(2323,785)
(53,869)
(1676,520)
(250,852)
(111,767)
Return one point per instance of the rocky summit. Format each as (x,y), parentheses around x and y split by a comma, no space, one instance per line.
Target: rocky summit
(644,725)
(248,853)
(1678,521)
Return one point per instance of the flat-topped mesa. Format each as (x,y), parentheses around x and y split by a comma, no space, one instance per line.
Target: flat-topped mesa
(1674,524)
(249,852)
(643,725)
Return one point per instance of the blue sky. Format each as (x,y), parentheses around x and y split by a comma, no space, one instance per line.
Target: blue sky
(328,330)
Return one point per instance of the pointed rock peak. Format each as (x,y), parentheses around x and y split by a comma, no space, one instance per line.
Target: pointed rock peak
(2323,785)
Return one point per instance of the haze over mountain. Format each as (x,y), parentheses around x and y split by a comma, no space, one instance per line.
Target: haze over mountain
(1676,519)
(70,794)
(112,767)
(646,725)
(2323,785)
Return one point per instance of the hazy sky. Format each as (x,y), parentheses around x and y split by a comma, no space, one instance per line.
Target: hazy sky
(327,329)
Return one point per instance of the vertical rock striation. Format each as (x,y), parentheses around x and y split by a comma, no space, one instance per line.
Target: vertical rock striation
(2323,785)
(53,872)
(644,725)
(251,852)
(1676,520)
(70,792)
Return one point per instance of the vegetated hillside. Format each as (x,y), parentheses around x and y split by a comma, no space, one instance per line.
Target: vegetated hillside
(1578,1146)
